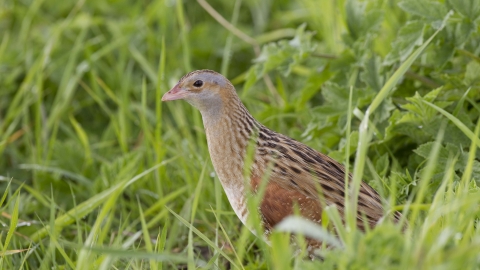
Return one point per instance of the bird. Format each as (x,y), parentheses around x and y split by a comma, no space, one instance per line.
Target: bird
(299,178)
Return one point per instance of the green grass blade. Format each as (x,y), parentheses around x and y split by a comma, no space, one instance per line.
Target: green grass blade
(227,51)
(196,198)
(457,123)
(5,193)
(12,227)
(204,238)
(427,173)
(467,174)
(88,206)
(146,236)
(161,241)
(121,253)
(83,137)
(183,33)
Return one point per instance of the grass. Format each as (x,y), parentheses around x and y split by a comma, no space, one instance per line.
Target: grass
(97,173)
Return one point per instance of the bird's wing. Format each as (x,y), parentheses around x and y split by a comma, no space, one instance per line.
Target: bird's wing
(298,172)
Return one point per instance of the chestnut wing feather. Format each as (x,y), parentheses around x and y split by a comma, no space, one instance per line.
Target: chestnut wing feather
(299,174)
(279,202)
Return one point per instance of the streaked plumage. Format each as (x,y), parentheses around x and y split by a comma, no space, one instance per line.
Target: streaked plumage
(297,173)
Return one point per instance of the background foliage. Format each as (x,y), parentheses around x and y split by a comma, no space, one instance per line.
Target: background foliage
(97,173)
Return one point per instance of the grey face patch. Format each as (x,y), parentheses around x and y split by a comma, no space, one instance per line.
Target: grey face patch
(213,78)
(208,76)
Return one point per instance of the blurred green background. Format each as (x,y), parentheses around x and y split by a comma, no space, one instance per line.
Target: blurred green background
(89,156)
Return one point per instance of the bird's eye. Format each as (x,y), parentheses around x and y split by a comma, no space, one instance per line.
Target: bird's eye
(198,83)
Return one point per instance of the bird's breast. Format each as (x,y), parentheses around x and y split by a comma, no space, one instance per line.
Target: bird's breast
(237,199)
(227,157)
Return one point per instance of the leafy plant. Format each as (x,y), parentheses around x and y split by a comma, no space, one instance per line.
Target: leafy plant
(97,173)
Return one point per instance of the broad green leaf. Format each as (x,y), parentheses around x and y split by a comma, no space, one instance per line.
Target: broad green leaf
(312,86)
(409,36)
(463,32)
(382,165)
(283,55)
(372,73)
(339,155)
(472,74)
(360,21)
(468,8)
(447,153)
(428,9)
(457,123)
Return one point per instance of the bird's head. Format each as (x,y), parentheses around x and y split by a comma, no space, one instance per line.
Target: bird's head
(206,90)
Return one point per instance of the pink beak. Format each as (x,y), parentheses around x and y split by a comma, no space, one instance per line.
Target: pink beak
(175,93)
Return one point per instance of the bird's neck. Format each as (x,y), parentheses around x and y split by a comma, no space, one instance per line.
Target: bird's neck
(228,136)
